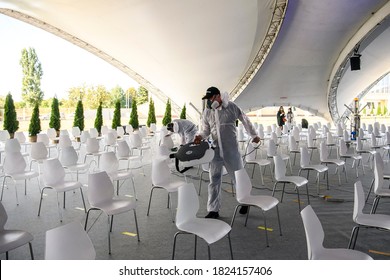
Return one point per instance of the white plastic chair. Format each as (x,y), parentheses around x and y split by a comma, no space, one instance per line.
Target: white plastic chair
(110,164)
(70,161)
(45,139)
(250,158)
(245,198)
(344,155)
(280,176)
(15,168)
(120,131)
(76,132)
(92,148)
(210,230)
(315,239)
(379,189)
(69,242)
(325,160)
(13,145)
(272,151)
(124,153)
(377,221)
(54,178)
(161,179)
(101,197)
(110,141)
(293,147)
(306,166)
(11,239)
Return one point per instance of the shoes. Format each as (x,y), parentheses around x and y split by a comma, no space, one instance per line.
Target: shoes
(243,210)
(212,215)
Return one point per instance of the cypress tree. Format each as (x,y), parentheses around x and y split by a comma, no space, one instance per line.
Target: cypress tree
(79,116)
(168,114)
(116,120)
(99,118)
(11,122)
(134,115)
(151,114)
(183,114)
(55,117)
(35,123)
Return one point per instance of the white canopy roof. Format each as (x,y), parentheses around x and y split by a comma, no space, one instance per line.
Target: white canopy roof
(177,49)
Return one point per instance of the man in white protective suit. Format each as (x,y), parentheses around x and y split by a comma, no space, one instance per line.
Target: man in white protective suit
(185,128)
(219,121)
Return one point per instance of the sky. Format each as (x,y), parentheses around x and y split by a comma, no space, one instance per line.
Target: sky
(64,65)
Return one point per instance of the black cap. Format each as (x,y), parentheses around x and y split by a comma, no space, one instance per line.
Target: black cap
(211,91)
(170,127)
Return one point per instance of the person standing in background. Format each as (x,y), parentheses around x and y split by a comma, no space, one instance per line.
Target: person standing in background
(281,117)
(290,116)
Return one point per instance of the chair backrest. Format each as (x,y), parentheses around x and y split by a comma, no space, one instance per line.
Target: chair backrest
(14,163)
(20,136)
(296,133)
(92,146)
(250,153)
(387,138)
(280,167)
(167,141)
(109,138)
(274,137)
(153,127)
(359,144)
(53,171)
(129,129)
(100,188)
(4,135)
(373,140)
(339,130)
(383,128)
(51,133)
(135,140)
(346,136)
(310,139)
(364,126)
(123,149)
(109,162)
(38,151)
(76,132)
(104,129)
(68,156)
(93,132)
(187,204)
(69,242)
(359,200)
(323,151)
(313,230)
(3,216)
(64,132)
(260,133)
(44,138)
(342,147)
(271,149)
(329,138)
(278,131)
(120,131)
(285,129)
(243,184)
(376,131)
(361,133)
(292,143)
(378,172)
(64,141)
(370,129)
(12,145)
(160,171)
(305,157)
(84,136)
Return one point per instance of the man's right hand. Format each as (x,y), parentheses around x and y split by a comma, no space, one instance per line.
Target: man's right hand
(198,139)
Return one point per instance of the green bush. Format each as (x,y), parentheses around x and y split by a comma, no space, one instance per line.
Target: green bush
(183,114)
(99,118)
(168,114)
(79,116)
(11,122)
(151,114)
(35,123)
(55,117)
(134,115)
(116,120)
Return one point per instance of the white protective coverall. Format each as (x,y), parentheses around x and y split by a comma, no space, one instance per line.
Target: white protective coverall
(221,125)
(186,129)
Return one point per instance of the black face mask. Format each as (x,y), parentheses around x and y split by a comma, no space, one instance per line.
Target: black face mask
(209,103)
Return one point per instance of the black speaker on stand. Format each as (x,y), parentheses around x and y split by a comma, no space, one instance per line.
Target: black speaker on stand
(355,62)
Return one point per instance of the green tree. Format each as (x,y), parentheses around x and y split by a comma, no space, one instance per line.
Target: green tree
(95,96)
(75,94)
(79,116)
(385,111)
(183,114)
(35,123)
(55,117)
(32,74)
(116,120)
(372,110)
(117,93)
(99,118)
(142,95)
(168,114)
(379,110)
(131,94)
(11,122)
(151,114)
(134,115)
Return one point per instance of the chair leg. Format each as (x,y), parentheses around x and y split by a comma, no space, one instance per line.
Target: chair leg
(82,198)
(375,204)
(247,214)
(353,238)
(150,199)
(136,224)
(369,191)
(299,200)
(31,250)
(109,237)
(234,215)
(284,186)
(195,245)
(280,225)
(209,252)
(230,246)
(40,202)
(266,229)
